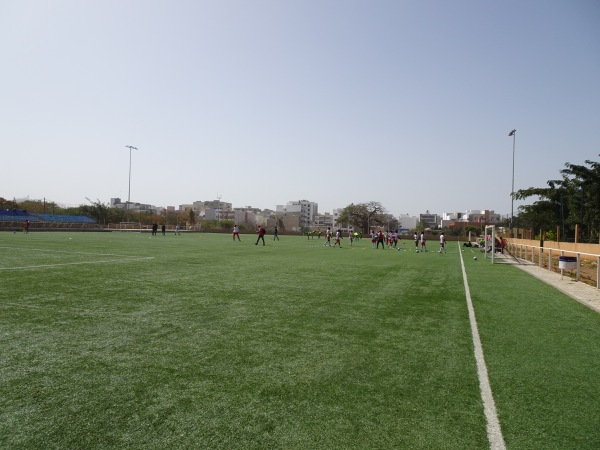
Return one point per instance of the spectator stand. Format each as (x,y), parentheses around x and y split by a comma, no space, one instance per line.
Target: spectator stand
(13,219)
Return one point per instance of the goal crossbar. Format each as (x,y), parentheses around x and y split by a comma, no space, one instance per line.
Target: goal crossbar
(130,226)
(489,245)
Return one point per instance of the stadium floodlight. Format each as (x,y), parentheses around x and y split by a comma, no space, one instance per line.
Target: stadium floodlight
(130,147)
(513,133)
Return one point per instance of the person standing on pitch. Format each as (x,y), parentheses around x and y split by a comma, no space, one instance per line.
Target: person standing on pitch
(236,233)
(164,229)
(423,242)
(261,235)
(327,238)
(416,242)
(275,234)
(380,240)
(442,244)
(338,238)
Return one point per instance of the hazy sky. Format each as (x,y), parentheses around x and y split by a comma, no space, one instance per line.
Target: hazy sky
(267,101)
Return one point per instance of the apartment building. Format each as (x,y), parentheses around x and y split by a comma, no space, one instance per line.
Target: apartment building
(305,209)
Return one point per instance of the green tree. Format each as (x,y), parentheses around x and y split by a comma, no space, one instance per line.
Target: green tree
(116,215)
(454,231)
(173,218)
(363,216)
(31,206)
(6,204)
(574,199)
(227,224)
(473,229)
(97,210)
(583,186)
(391,222)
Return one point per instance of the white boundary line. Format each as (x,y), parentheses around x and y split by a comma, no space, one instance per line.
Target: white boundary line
(494,431)
(63,251)
(43,266)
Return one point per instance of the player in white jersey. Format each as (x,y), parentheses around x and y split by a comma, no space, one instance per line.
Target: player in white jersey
(327,238)
(442,244)
(423,243)
(338,238)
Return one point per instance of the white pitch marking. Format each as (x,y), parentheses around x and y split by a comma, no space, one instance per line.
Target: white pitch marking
(65,251)
(494,431)
(41,266)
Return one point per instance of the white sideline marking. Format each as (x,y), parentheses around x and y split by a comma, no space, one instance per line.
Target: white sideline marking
(41,266)
(494,431)
(65,251)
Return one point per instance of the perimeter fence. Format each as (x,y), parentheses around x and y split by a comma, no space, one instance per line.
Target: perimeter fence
(578,261)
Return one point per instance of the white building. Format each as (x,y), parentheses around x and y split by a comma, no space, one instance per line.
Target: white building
(451,216)
(336,215)
(477,216)
(322,221)
(482,215)
(307,211)
(244,216)
(407,222)
(429,220)
(135,207)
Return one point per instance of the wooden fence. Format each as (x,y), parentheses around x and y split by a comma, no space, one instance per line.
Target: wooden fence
(547,255)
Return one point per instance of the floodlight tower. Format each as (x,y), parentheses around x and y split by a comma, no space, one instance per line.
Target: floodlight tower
(130,147)
(513,133)
(219,208)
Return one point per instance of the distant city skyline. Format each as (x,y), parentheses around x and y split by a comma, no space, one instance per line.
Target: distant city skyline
(402,102)
(274,208)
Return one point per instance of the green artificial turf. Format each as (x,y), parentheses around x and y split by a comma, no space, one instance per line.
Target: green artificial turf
(543,356)
(123,340)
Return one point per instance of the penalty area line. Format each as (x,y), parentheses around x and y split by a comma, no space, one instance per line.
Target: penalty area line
(45,266)
(494,431)
(25,249)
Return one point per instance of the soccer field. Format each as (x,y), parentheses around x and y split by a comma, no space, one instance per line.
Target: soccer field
(126,340)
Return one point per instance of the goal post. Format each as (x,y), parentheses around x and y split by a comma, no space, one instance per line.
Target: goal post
(130,226)
(489,245)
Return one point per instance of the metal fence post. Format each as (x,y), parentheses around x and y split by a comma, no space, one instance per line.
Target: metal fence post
(598,272)
(562,271)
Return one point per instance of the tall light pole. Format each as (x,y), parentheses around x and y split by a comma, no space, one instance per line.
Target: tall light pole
(130,147)
(513,133)
(219,209)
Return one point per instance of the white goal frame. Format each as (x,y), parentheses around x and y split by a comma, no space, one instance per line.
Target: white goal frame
(491,243)
(130,226)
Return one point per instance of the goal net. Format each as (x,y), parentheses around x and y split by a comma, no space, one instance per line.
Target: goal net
(130,226)
(489,246)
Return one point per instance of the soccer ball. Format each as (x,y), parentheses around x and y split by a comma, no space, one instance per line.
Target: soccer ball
(475,258)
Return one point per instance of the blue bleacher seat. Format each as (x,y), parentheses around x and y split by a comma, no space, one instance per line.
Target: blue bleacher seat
(64,218)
